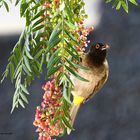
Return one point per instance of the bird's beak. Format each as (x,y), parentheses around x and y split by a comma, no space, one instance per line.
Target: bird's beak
(106,46)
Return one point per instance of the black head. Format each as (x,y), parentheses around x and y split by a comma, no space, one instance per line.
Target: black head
(97,53)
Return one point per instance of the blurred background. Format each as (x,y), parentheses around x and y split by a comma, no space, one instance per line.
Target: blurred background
(114,113)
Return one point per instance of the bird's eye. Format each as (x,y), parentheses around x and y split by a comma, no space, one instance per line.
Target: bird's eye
(97,46)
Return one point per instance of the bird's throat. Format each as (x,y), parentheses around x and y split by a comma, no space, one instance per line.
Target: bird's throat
(97,58)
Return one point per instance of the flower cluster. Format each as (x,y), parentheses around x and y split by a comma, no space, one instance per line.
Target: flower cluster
(47,125)
(79,16)
(53,116)
(84,32)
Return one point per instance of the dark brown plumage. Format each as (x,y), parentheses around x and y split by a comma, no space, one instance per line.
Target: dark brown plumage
(97,54)
(97,75)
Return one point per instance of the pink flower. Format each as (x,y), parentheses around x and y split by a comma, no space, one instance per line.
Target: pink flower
(47,111)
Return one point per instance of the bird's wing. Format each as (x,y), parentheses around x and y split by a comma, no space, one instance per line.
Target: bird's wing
(98,86)
(101,81)
(96,76)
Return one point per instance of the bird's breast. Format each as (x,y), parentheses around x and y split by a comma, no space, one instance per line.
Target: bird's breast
(96,78)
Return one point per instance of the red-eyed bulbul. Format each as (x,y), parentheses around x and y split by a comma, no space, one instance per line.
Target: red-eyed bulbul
(97,74)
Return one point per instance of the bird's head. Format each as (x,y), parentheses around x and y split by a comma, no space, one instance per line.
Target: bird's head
(99,48)
(97,53)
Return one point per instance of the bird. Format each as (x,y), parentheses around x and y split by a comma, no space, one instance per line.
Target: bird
(97,74)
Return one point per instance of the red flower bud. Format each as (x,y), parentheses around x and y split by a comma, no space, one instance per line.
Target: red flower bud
(81,22)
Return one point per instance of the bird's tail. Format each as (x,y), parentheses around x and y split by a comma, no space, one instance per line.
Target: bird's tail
(73,114)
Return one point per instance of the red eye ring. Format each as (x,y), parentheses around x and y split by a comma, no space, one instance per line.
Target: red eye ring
(97,46)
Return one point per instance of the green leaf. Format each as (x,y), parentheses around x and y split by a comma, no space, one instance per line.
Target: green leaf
(13,106)
(125,6)
(115,3)
(53,56)
(76,74)
(71,47)
(33,41)
(66,122)
(35,68)
(76,65)
(16,59)
(68,78)
(6,6)
(71,37)
(70,63)
(80,66)
(72,26)
(133,2)
(76,57)
(66,109)
(35,6)
(66,104)
(118,6)
(66,95)
(53,70)
(29,79)
(5,73)
(62,80)
(66,113)
(42,61)
(18,81)
(17,1)
(38,22)
(63,127)
(108,1)
(58,78)
(56,31)
(37,28)
(21,103)
(28,17)
(12,71)
(38,14)
(23,8)
(38,54)
(24,89)
(36,71)
(18,70)
(27,64)
(21,38)
(42,43)
(15,97)
(39,36)
(28,54)
(37,64)
(18,52)
(52,44)
(69,12)
(26,70)
(55,61)
(54,120)
(24,98)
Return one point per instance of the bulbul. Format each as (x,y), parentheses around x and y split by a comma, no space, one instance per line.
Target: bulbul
(97,74)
